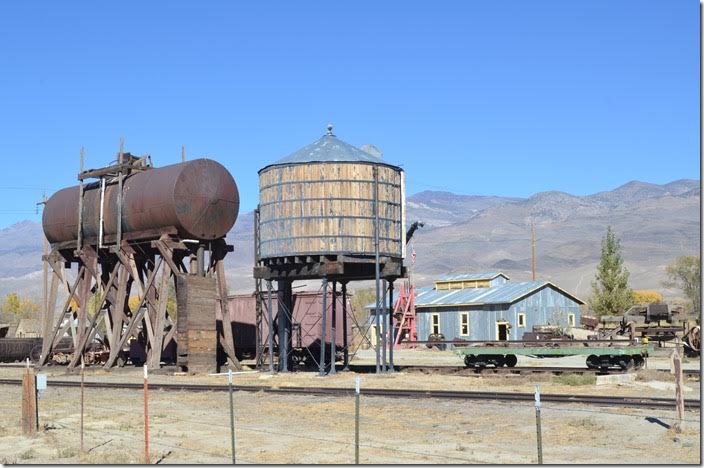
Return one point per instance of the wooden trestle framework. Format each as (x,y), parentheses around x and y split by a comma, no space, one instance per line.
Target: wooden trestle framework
(96,314)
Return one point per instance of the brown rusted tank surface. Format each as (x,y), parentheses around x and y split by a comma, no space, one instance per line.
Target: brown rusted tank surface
(199,198)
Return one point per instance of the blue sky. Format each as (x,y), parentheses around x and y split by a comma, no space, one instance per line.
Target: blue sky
(475,97)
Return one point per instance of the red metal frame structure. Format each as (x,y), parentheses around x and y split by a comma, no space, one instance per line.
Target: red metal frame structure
(405,314)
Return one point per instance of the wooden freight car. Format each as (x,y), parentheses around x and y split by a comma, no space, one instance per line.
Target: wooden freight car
(306,324)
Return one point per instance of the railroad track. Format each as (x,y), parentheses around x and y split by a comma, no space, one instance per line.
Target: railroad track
(599,400)
(463,370)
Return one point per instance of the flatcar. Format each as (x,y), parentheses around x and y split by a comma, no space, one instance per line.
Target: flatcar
(622,355)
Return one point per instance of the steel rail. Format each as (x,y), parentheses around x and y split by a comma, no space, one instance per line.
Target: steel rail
(628,401)
(507,370)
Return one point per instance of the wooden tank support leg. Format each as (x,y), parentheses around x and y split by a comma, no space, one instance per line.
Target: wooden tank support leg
(138,313)
(333,328)
(270,321)
(160,319)
(118,308)
(49,311)
(87,336)
(391,341)
(345,345)
(323,327)
(85,290)
(283,322)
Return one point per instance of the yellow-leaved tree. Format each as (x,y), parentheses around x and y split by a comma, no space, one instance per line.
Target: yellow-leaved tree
(646,296)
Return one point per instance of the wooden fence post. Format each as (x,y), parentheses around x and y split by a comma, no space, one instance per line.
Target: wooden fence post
(679,391)
(29,402)
(356,420)
(146,415)
(538,428)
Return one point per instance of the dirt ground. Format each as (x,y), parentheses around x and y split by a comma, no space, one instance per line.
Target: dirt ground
(194,427)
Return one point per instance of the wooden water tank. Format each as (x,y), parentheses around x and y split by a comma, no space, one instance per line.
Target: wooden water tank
(320,201)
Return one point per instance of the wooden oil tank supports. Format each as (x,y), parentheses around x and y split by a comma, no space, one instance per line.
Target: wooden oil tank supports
(329,211)
(132,234)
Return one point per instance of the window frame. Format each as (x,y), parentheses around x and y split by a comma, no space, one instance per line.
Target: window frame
(571,320)
(464,321)
(434,317)
(521,320)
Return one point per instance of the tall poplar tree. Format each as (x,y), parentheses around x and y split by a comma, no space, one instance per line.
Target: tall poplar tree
(610,292)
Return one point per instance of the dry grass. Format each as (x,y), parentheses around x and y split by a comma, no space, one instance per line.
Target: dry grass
(589,423)
(646,375)
(575,379)
(27,455)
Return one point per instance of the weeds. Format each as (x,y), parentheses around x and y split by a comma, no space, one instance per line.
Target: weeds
(575,379)
(646,375)
(589,423)
(66,453)
(27,455)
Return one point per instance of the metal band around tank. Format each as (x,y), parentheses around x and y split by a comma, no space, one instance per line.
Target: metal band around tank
(336,236)
(276,202)
(325,181)
(261,223)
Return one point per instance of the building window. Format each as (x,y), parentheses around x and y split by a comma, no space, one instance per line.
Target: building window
(464,324)
(570,320)
(435,323)
(521,320)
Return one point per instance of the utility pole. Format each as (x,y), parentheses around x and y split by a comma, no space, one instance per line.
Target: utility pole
(532,248)
(45,274)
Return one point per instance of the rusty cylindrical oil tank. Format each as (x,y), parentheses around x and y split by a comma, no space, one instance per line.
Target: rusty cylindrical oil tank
(199,198)
(320,201)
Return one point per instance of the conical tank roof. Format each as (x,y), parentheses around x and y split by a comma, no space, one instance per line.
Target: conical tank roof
(329,148)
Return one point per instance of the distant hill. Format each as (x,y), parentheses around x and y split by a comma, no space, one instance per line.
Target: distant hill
(655,223)
(465,233)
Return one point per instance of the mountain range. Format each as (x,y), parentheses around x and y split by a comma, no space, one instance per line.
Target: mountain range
(467,233)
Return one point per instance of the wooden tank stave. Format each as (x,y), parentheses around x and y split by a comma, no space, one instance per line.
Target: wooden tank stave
(328,208)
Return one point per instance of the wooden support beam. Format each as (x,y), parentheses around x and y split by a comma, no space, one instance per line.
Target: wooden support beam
(88,333)
(117,309)
(228,341)
(49,341)
(136,317)
(167,254)
(155,352)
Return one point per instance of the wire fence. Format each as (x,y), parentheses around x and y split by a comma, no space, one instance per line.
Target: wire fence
(256,426)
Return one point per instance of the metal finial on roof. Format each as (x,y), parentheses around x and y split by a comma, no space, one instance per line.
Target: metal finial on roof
(329,129)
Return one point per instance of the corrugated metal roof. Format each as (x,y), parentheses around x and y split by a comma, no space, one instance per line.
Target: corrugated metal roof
(506,293)
(329,148)
(489,275)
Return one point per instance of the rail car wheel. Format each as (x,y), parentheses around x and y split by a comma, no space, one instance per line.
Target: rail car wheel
(469,360)
(497,360)
(626,363)
(593,361)
(511,360)
(638,362)
(35,354)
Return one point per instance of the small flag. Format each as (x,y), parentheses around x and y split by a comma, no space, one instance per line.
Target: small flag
(413,254)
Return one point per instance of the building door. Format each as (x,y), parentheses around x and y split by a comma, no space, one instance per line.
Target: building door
(502,331)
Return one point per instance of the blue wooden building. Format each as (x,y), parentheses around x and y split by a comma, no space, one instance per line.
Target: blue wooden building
(488,306)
